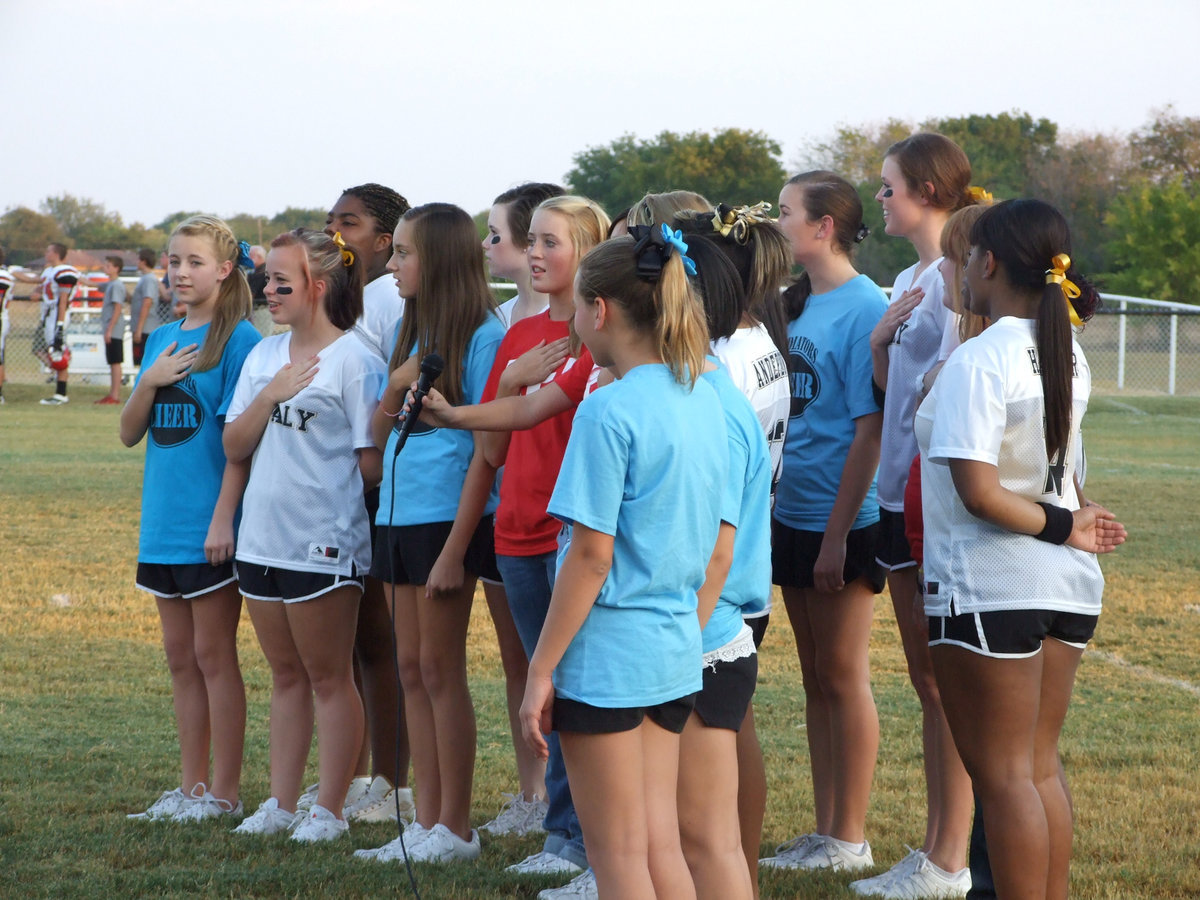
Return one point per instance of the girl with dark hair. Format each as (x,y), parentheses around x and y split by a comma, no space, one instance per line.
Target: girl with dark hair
(826,517)
(506,242)
(364,217)
(302,414)
(1012,586)
(190,502)
(618,659)
(433,544)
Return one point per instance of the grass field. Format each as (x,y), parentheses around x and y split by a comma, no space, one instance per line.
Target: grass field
(88,735)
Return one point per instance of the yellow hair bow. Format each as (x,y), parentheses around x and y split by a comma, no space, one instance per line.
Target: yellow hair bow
(979,195)
(736,221)
(347,254)
(1057,274)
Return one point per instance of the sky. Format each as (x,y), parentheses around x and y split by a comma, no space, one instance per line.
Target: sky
(154,106)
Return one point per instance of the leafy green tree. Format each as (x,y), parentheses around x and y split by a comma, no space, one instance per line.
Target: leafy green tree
(24,233)
(730,166)
(1168,147)
(1155,248)
(85,222)
(297,217)
(854,153)
(1004,150)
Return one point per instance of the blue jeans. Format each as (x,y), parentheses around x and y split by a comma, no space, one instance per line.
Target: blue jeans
(528,582)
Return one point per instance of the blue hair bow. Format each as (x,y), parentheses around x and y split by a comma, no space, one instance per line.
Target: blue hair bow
(675,239)
(243,258)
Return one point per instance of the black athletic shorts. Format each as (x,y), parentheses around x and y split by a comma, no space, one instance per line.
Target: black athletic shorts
(573,717)
(1011,633)
(183,580)
(727,692)
(409,555)
(260,582)
(794,554)
(892,550)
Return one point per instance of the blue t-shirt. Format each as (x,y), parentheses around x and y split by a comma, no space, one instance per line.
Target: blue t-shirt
(184,456)
(829,363)
(646,463)
(747,507)
(429,473)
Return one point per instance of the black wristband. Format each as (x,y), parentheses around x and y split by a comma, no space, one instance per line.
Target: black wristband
(1060,521)
(877,393)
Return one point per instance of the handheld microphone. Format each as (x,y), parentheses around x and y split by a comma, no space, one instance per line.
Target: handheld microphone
(431,368)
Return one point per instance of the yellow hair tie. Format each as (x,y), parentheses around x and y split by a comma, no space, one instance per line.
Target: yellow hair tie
(347,254)
(979,195)
(1057,274)
(736,221)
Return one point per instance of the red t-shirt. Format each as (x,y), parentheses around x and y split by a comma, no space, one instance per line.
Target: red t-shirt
(523,528)
(914,525)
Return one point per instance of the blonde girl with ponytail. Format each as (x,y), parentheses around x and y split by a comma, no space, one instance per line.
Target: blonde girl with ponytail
(190,505)
(618,661)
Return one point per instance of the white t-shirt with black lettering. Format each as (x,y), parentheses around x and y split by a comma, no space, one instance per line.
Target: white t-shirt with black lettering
(303,508)
(987,405)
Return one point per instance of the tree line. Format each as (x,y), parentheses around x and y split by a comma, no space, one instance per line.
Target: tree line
(1133,200)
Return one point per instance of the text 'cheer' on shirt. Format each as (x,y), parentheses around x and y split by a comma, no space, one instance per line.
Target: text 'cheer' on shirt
(830,368)
(303,508)
(647,463)
(184,456)
(987,406)
(428,475)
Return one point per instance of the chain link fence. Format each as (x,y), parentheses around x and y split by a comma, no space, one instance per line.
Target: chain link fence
(1133,346)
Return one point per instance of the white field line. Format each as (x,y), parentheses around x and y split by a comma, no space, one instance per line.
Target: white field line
(1108,460)
(1137,411)
(1144,672)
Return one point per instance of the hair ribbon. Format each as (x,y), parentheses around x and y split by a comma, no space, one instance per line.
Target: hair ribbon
(735,222)
(1057,274)
(243,257)
(347,254)
(675,239)
(980,196)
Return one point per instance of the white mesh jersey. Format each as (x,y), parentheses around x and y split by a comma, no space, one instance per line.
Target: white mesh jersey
(303,508)
(913,352)
(986,405)
(758,370)
(383,308)
(55,281)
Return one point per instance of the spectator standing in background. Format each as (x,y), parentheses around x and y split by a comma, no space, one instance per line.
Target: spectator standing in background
(112,325)
(257,279)
(145,295)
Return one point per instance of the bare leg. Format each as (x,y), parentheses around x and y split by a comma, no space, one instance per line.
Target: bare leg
(323,631)
(708,828)
(380,688)
(215,620)
(1058,680)
(291,701)
(752,794)
(188,692)
(816,708)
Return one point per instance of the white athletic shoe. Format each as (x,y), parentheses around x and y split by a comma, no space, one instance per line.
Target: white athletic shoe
(518,816)
(442,845)
(207,807)
(269,819)
(838,856)
(543,863)
(319,825)
(915,878)
(308,798)
(379,803)
(790,854)
(167,806)
(582,886)
(414,834)
(54,400)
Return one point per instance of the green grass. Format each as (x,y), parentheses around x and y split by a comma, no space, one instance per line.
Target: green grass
(88,733)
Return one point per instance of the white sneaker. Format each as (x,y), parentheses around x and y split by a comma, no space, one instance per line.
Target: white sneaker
(414,834)
(838,856)
(54,400)
(582,885)
(207,807)
(167,806)
(319,825)
(379,804)
(268,819)
(309,797)
(442,845)
(518,816)
(915,878)
(790,854)
(543,863)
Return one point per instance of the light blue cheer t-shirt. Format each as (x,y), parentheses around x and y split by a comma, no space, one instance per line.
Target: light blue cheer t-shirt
(646,463)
